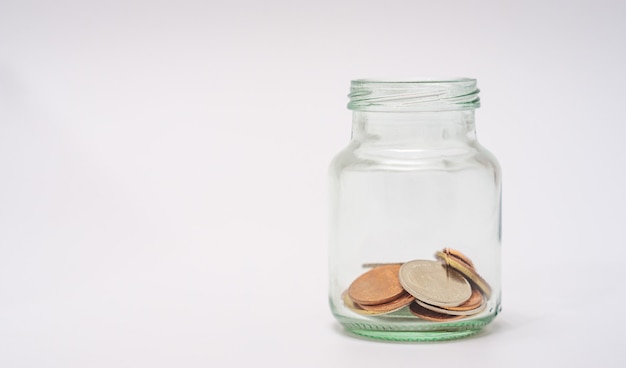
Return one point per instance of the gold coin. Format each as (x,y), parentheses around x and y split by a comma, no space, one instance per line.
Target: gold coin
(392,306)
(377,286)
(423,313)
(468,272)
(475,304)
(435,284)
(459,256)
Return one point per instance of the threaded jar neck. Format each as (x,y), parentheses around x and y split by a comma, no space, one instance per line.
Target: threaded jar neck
(408,95)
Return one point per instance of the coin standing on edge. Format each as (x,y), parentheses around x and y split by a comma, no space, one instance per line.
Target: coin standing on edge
(459,257)
(466,271)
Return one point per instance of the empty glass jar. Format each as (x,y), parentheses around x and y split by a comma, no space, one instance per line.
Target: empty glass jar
(414,214)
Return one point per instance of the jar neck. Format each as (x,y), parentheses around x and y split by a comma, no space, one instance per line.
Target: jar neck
(411,128)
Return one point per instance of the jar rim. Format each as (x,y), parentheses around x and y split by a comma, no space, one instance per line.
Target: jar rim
(413,80)
(423,94)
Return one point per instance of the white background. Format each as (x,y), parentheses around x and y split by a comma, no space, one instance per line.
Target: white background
(163,176)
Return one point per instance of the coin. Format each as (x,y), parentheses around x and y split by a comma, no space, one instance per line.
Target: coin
(459,256)
(435,284)
(469,273)
(475,304)
(377,286)
(475,301)
(349,303)
(392,306)
(372,265)
(427,314)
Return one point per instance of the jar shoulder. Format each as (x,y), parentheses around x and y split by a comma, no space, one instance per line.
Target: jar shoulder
(473,155)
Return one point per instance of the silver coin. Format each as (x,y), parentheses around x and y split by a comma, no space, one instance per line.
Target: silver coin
(469,312)
(468,272)
(435,284)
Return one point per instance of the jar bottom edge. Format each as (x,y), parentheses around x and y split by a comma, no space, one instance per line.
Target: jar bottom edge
(421,333)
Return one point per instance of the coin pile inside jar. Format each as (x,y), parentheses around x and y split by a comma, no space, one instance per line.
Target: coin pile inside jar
(443,290)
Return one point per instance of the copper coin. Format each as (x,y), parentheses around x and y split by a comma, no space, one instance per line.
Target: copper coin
(434,283)
(354,307)
(474,305)
(459,256)
(466,271)
(423,313)
(392,306)
(377,286)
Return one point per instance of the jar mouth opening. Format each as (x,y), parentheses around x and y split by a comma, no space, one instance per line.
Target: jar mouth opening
(415,94)
(419,81)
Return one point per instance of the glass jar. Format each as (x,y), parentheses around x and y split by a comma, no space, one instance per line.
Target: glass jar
(414,214)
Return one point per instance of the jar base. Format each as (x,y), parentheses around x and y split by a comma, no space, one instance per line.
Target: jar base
(419,332)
